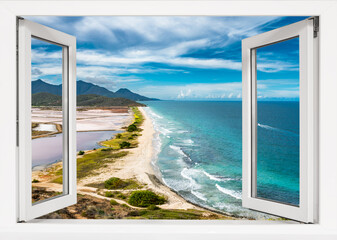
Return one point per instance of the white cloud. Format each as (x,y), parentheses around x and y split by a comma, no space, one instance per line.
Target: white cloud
(194,91)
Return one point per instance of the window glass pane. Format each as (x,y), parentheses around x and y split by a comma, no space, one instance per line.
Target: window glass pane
(278,140)
(47,120)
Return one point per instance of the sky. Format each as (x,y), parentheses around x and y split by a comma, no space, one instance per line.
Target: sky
(171,58)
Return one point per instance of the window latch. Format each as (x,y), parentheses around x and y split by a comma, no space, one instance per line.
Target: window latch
(316,25)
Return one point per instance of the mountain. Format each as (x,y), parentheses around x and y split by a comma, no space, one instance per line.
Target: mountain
(93,100)
(85,88)
(41,86)
(126,93)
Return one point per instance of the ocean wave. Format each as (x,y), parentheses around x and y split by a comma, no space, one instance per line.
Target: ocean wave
(155,114)
(215,178)
(231,193)
(182,131)
(276,129)
(199,195)
(181,152)
(184,174)
(188,141)
(188,174)
(164,131)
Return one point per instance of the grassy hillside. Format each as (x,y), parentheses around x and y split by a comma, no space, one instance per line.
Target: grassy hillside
(93,100)
(46,99)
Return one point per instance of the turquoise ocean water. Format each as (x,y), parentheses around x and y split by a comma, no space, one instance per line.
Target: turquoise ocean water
(198,152)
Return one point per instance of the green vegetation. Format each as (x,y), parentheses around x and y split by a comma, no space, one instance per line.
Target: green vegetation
(48,99)
(58,180)
(126,206)
(145,198)
(132,128)
(95,160)
(127,139)
(106,149)
(115,183)
(121,196)
(168,214)
(81,152)
(125,144)
(88,163)
(95,208)
(108,194)
(153,207)
(113,202)
(35,181)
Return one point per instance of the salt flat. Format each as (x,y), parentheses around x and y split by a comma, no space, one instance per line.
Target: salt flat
(87,120)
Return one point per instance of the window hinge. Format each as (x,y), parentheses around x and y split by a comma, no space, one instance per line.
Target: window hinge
(316,25)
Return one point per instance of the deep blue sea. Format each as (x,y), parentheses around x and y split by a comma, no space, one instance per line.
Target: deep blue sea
(198,151)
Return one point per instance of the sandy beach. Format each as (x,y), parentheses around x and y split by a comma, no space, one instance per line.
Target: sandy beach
(137,164)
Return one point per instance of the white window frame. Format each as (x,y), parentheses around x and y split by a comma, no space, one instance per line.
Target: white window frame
(95,229)
(308,45)
(26,31)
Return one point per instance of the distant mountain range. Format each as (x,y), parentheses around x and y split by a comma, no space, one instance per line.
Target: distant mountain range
(85,88)
(49,99)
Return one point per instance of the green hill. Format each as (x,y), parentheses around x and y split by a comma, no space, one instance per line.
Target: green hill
(46,99)
(92,100)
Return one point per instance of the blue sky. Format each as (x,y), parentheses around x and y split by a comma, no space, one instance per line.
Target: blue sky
(180,58)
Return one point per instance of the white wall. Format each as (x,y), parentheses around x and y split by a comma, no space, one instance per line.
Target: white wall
(9,229)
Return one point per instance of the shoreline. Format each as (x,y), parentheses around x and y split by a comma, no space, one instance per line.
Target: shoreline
(160,181)
(137,165)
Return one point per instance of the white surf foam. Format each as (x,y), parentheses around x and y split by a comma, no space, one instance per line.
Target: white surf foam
(231,193)
(181,152)
(188,141)
(276,129)
(199,195)
(212,177)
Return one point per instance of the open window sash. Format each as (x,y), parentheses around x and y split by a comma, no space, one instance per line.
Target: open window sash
(26,31)
(306,31)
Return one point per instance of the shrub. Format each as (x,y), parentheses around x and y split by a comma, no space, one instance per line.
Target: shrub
(35,181)
(118,135)
(133,214)
(106,149)
(115,183)
(113,202)
(125,144)
(125,206)
(94,149)
(145,198)
(121,195)
(109,194)
(153,207)
(132,128)
(90,212)
(130,138)
(81,152)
